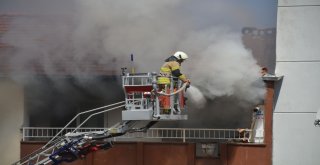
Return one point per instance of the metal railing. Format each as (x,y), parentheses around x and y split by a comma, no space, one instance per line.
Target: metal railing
(46,133)
(181,134)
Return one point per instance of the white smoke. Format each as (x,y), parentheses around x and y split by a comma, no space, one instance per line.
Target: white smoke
(223,67)
(152,30)
(147,29)
(100,31)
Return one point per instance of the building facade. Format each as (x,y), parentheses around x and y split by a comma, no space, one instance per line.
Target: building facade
(295,138)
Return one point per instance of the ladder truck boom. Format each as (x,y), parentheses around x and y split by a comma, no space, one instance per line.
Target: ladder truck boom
(144,102)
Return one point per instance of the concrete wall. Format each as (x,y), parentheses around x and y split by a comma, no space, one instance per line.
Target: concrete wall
(11,120)
(297,100)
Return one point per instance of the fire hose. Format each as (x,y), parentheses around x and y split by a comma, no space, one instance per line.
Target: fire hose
(173,93)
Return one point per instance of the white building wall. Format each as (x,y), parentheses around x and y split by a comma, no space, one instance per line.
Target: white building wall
(295,138)
(11,120)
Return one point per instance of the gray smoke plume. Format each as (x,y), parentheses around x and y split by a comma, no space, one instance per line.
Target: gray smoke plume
(153,30)
(77,35)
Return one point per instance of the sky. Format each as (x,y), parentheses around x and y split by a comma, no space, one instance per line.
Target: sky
(263,11)
(239,13)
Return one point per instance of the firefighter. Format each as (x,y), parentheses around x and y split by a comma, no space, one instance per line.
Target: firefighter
(171,67)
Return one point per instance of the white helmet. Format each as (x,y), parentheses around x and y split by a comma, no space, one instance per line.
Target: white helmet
(181,55)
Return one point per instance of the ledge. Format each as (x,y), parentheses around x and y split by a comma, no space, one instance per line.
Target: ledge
(270,77)
(247,144)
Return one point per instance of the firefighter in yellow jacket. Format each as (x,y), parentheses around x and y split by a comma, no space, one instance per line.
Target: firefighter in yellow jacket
(170,68)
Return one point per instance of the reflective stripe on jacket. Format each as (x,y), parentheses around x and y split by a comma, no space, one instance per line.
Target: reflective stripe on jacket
(167,70)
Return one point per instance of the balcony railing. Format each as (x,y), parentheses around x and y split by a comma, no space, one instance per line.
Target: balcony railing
(182,134)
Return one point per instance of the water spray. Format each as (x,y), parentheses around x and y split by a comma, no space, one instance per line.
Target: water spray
(196,97)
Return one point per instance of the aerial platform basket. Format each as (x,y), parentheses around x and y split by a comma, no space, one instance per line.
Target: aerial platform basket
(146,100)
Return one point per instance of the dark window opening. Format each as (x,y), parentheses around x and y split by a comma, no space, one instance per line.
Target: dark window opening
(54,101)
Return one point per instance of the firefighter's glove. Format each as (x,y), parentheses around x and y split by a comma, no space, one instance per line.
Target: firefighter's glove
(188,83)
